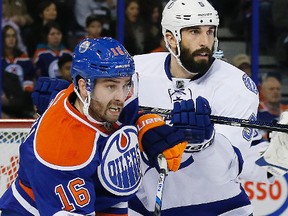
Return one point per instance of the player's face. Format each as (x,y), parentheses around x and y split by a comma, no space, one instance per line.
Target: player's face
(196,48)
(108,97)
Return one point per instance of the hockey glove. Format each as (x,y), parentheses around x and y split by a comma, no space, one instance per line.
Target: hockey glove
(45,90)
(275,158)
(195,123)
(155,137)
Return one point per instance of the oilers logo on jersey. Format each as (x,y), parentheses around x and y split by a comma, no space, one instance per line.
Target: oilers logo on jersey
(120,171)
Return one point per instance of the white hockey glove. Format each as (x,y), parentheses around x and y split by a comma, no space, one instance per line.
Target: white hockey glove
(275,158)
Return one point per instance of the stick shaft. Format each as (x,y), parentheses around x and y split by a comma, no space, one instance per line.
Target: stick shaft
(251,124)
(160,187)
(236,122)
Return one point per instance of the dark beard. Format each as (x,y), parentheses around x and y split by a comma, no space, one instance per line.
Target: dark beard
(98,111)
(188,62)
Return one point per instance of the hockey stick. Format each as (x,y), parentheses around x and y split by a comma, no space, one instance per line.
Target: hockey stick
(160,187)
(270,126)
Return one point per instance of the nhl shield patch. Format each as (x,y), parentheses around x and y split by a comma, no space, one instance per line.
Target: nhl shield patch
(120,170)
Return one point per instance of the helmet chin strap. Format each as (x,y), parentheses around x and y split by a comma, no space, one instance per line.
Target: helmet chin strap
(86,104)
(178,55)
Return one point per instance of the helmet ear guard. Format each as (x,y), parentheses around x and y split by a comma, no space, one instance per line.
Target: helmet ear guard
(187,13)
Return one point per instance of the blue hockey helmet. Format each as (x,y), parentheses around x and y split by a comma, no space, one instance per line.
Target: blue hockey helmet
(100,58)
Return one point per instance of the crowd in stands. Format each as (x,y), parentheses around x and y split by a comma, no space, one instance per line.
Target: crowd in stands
(38,38)
(270,92)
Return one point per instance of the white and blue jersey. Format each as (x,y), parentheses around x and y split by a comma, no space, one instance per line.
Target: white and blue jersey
(207,181)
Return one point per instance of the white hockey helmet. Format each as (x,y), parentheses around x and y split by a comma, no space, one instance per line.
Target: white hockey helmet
(179,14)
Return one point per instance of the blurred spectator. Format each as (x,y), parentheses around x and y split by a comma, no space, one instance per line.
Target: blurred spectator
(106,9)
(162,47)
(240,22)
(243,62)
(64,65)
(10,16)
(266,27)
(93,29)
(280,15)
(15,61)
(94,26)
(15,102)
(47,12)
(134,35)
(270,107)
(280,22)
(227,10)
(65,16)
(16,10)
(241,26)
(48,53)
(151,11)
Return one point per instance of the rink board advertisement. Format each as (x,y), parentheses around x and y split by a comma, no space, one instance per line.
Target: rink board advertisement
(268,199)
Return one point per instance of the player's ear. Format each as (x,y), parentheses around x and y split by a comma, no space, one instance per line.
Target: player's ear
(82,87)
(171,40)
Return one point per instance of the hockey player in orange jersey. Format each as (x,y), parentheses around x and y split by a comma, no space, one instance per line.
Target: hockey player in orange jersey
(82,155)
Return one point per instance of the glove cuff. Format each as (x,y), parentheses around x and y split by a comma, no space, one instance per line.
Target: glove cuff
(145,123)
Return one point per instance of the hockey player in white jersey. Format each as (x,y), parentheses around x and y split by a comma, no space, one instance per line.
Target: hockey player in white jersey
(207,182)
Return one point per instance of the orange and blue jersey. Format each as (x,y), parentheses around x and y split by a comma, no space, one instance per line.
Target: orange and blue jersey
(68,163)
(23,67)
(46,59)
(268,115)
